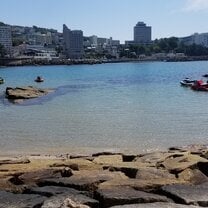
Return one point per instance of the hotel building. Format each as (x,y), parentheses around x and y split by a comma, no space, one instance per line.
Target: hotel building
(73,43)
(142,33)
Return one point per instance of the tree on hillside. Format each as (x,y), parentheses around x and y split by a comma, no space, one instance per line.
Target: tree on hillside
(2,24)
(172,43)
(17,41)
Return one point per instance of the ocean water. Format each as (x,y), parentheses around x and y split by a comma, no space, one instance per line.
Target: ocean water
(113,107)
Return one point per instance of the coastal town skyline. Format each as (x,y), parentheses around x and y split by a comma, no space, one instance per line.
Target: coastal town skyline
(178,18)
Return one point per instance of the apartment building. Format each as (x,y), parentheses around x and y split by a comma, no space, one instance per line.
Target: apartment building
(6,37)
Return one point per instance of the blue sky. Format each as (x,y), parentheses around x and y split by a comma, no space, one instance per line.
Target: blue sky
(110,18)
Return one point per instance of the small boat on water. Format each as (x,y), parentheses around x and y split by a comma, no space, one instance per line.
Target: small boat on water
(187,82)
(200,86)
(205,75)
(39,79)
(1,80)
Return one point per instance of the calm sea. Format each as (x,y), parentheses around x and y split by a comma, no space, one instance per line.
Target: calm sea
(112,107)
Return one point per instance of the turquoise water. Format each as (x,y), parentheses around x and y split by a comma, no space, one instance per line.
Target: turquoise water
(122,107)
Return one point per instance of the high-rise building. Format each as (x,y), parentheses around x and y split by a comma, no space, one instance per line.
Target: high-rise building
(142,33)
(6,37)
(73,43)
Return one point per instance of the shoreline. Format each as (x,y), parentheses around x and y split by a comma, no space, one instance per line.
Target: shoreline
(77,151)
(176,178)
(15,62)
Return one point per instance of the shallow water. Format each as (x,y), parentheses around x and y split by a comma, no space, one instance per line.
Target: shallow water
(122,107)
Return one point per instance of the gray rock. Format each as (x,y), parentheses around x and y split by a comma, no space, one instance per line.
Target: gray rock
(155,205)
(49,191)
(126,195)
(188,194)
(10,200)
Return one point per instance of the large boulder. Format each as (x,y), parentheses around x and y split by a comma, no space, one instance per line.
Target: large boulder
(61,195)
(188,194)
(19,93)
(177,164)
(154,173)
(49,191)
(85,180)
(138,184)
(126,195)
(155,157)
(194,176)
(20,200)
(130,169)
(37,175)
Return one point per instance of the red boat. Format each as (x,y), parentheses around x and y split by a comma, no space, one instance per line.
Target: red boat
(200,86)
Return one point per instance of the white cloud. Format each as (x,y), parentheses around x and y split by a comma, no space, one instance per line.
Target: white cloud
(196,5)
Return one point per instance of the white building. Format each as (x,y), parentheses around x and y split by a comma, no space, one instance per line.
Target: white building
(93,40)
(196,38)
(6,37)
(40,39)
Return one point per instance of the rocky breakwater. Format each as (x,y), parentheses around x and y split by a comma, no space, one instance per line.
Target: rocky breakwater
(20,94)
(176,178)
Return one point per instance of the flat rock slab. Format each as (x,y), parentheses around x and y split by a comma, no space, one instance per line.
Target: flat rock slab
(108,159)
(126,195)
(129,168)
(153,157)
(153,173)
(10,200)
(14,161)
(194,176)
(155,205)
(25,92)
(138,184)
(188,194)
(194,148)
(35,176)
(61,201)
(49,191)
(85,180)
(178,164)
